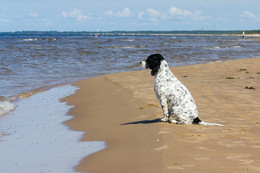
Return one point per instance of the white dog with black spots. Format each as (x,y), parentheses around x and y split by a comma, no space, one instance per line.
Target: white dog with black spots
(174,97)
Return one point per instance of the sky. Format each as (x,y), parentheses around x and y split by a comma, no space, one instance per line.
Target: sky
(128,15)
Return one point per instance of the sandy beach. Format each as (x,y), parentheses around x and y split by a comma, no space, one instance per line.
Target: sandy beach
(122,110)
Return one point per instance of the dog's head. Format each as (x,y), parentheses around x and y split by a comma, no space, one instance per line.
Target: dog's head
(153,62)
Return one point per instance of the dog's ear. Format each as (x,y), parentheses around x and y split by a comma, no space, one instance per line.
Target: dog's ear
(155,70)
(155,62)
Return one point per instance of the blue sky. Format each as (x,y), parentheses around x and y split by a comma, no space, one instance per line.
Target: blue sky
(131,15)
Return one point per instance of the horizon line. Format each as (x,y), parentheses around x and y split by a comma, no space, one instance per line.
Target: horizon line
(195,30)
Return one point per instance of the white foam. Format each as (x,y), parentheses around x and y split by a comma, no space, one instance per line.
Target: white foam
(6,107)
(37,140)
(130,39)
(214,47)
(30,39)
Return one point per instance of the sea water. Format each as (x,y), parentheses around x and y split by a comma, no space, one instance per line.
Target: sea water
(35,138)
(29,62)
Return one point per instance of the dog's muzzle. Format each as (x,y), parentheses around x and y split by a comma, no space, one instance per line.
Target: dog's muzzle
(143,64)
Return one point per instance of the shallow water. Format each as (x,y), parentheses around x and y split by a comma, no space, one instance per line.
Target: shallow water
(35,140)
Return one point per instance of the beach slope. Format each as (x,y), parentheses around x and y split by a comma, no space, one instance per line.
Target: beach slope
(122,110)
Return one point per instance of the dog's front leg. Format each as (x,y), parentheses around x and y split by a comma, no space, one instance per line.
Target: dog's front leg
(164,105)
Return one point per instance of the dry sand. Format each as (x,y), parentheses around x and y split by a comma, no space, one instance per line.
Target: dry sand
(122,109)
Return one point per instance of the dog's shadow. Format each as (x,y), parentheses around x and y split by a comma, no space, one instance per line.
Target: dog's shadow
(143,122)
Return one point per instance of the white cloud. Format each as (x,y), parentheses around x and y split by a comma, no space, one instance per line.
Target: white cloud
(151,14)
(173,13)
(223,19)
(248,14)
(34,15)
(186,14)
(140,15)
(197,16)
(109,13)
(4,19)
(126,12)
(179,12)
(76,14)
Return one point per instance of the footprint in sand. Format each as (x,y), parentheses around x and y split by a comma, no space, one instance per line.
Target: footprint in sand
(162,148)
(149,105)
(254,168)
(175,167)
(163,132)
(241,158)
(202,158)
(205,148)
(255,146)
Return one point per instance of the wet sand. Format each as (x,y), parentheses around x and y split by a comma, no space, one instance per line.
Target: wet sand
(122,110)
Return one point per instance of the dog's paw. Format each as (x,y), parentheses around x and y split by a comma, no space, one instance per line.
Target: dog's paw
(164,120)
(174,122)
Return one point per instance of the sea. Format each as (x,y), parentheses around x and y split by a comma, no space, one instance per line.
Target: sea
(37,70)
(31,62)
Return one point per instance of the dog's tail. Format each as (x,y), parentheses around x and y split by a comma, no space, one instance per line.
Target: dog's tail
(198,121)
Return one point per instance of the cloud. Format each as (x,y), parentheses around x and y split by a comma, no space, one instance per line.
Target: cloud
(197,16)
(186,14)
(126,12)
(179,12)
(248,14)
(4,19)
(34,15)
(75,14)
(151,14)
(109,13)
(173,13)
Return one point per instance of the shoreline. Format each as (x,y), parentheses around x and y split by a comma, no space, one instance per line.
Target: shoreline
(33,137)
(122,110)
(114,128)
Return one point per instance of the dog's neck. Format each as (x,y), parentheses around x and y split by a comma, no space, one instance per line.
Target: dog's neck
(164,73)
(163,68)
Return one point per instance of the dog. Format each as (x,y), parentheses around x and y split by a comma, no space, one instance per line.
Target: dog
(174,97)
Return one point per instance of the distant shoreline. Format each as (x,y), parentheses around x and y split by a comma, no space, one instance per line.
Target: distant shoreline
(134,33)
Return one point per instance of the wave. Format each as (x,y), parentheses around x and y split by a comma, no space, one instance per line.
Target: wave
(213,47)
(35,39)
(223,47)
(127,47)
(6,107)
(6,104)
(129,39)
(30,39)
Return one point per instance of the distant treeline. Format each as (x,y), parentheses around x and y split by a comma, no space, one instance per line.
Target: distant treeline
(87,33)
